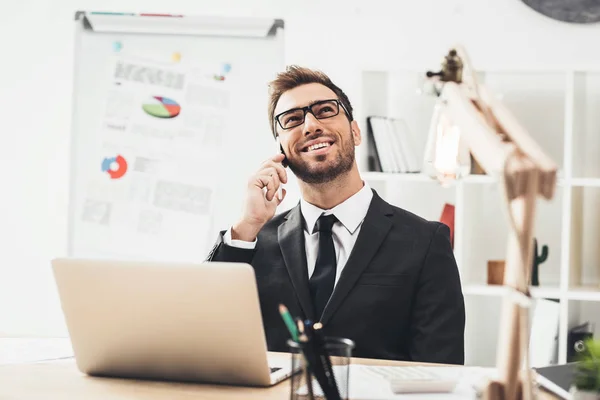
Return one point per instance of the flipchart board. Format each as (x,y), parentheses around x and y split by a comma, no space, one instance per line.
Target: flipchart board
(169,118)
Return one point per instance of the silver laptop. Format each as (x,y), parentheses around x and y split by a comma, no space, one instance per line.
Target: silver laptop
(163,321)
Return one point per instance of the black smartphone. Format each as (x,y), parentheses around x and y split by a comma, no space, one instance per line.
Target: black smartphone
(284,162)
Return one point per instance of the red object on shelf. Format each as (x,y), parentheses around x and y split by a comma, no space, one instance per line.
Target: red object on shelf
(447,218)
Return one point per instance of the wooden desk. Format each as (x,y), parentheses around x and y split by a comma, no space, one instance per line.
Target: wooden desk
(62,380)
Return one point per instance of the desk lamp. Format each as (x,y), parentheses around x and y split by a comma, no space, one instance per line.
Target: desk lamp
(468,121)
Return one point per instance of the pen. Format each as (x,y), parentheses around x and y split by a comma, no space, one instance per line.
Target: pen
(318,339)
(289,322)
(308,368)
(321,364)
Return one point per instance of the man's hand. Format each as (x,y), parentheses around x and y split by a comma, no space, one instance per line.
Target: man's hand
(261,199)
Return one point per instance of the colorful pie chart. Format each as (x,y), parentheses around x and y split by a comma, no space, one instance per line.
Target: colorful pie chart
(115,167)
(161,107)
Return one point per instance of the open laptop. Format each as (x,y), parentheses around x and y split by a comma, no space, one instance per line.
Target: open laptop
(557,378)
(167,321)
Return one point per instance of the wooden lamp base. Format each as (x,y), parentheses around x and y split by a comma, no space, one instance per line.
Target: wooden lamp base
(495,391)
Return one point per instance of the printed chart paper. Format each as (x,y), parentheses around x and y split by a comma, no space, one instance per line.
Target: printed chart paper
(147,194)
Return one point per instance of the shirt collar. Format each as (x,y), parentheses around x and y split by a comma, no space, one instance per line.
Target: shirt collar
(350,213)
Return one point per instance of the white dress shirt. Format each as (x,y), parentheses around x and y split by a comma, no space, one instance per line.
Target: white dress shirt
(350,214)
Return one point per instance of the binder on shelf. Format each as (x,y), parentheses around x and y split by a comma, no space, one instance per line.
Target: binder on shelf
(395,147)
(408,147)
(374,162)
(543,348)
(390,147)
(379,130)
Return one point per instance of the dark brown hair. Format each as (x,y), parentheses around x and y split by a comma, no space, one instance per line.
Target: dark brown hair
(295,76)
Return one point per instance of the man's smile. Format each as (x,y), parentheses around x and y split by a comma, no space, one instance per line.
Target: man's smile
(318,146)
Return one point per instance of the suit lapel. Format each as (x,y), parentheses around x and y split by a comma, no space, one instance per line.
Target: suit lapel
(290,236)
(372,233)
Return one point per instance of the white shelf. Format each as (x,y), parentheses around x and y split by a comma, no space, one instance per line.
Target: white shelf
(471,179)
(396,177)
(420,177)
(585,182)
(545,292)
(474,179)
(588,293)
(584,293)
(498,290)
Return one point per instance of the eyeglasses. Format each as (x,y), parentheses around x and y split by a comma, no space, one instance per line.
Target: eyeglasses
(321,110)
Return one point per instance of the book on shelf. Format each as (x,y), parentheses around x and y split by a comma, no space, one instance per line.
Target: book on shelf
(391,146)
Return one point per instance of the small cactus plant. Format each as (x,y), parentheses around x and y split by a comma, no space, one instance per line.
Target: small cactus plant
(537,260)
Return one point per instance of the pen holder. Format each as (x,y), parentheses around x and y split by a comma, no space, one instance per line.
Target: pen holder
(330,367)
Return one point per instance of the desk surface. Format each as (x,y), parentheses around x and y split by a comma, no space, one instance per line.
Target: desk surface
(62,380)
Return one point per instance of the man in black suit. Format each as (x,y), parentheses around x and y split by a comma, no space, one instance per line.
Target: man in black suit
(368,271)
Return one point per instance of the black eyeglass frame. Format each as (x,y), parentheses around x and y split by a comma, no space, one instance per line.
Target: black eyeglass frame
(308,109)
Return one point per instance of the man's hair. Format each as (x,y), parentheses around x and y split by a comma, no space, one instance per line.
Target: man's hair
(295,76)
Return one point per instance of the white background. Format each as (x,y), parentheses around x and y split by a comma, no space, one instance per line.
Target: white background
(339,37)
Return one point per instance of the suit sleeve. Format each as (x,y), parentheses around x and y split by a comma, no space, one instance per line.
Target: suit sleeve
(225,253)
(438,316)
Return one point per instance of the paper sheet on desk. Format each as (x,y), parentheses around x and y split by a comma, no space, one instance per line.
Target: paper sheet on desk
(365,386)
(28,350)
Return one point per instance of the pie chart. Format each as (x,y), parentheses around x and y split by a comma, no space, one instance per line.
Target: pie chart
(161,107)
(115,167)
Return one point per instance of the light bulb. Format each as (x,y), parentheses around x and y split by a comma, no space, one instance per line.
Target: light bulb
(447,157)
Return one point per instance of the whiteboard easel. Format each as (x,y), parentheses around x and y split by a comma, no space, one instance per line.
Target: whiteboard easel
(169,117)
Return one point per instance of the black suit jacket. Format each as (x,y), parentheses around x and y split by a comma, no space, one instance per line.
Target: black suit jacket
(398,297)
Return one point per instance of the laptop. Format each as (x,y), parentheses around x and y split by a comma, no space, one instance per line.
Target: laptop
(167,321)
(557,378)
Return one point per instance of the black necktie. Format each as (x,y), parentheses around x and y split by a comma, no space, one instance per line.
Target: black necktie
(323,278)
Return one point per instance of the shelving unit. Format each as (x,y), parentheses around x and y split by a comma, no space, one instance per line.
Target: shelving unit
(561,110)
(546,292)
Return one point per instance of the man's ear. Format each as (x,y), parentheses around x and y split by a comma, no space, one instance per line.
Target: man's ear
(356,136)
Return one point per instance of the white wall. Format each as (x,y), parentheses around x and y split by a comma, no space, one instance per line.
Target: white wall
(340,37)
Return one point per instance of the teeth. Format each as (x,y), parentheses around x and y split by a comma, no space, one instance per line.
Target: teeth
(317,146)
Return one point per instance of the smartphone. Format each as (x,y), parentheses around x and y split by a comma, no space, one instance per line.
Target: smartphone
(284,162)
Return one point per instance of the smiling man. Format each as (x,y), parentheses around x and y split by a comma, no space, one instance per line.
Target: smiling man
(367,270)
